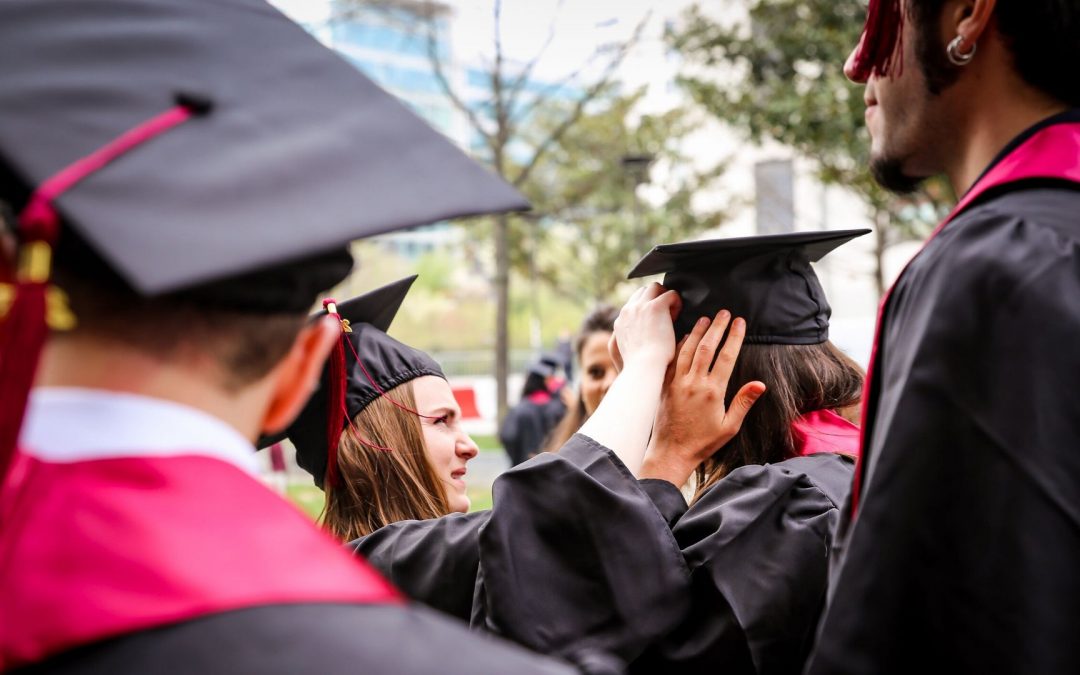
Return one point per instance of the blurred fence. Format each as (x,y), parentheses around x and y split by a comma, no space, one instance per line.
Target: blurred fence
(481,363)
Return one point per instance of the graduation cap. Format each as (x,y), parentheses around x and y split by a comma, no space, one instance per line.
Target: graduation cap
(365,365)
(766,279)
(540,369)
(192,142)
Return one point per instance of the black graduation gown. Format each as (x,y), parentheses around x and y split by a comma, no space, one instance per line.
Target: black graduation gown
(525,428)
(757,547)
(579,559)
(573,560)
(963,555)
(434,561)
(321,639)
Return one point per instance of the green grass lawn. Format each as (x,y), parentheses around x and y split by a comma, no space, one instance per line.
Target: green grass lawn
(487,442)
(309,498)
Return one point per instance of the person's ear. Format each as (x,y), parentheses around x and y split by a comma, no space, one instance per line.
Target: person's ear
(968,19)
(297,376)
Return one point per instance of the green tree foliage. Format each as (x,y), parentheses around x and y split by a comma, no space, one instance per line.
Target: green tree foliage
(776,73)
(592,220)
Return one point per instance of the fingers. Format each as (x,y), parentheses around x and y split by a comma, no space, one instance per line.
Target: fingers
(676,364)
(710,342)
(689,345)
(676,306)
(725,360)
(740,405)
(653,290)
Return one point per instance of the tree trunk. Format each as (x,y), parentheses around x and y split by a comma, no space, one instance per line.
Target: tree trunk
(881,243)
(502,312)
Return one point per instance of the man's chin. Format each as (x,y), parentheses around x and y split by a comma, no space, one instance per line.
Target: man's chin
(889,174)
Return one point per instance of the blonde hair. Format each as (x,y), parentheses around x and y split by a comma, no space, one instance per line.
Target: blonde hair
(379,487)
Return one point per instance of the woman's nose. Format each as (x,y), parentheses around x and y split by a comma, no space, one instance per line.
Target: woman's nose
(467,447)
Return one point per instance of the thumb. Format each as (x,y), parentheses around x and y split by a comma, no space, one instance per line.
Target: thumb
(740,405)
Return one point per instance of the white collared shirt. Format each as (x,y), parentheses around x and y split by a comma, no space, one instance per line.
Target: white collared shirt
(68,424)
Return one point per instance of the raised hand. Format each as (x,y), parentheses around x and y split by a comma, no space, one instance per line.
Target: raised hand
(692,421)
(645,339)
(645,325)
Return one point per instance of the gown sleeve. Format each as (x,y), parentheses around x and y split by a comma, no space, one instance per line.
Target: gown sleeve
(757,547)
(434,561)
(576,560)
(667,498)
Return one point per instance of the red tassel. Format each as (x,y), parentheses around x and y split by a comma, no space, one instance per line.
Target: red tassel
(22,336)
(23,331)
(881,45)
(336,416)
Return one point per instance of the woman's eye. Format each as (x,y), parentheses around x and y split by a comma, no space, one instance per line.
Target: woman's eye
(442,420)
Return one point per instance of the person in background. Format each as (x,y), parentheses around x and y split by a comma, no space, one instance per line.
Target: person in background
(528,423)
(597,372)
(279,476)
(767,499)
(401,453)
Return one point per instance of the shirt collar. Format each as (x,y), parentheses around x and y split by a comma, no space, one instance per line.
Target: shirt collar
(73,425)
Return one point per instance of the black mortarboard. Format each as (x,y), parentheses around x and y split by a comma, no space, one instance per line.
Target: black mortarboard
(767,280)
(543,368)
(297,151)
(367,364)
(188,142)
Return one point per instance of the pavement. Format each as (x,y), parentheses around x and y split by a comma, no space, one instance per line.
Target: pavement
(486,467)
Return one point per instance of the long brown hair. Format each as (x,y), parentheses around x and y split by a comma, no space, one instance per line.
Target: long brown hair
(600,320)
(800,380)
(379,487)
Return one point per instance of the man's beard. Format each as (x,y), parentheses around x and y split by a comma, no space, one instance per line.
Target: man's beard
(889,174)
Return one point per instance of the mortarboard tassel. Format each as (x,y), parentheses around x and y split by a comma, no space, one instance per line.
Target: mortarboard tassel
(25,325)
(339,416)
(337,413)
(881,45)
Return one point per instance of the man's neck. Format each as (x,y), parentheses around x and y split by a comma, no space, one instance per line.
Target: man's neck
(93,364)
(999,106)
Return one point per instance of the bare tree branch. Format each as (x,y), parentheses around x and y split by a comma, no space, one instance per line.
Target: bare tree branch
(545,93)
(582,102)
(448,90)
(526,72)
(503,132)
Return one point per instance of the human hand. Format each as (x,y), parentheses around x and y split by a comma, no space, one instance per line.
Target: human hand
(692,421)
(641,323)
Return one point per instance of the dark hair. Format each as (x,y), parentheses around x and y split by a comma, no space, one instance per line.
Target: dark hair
(600,320)
(800,380)
(534,382)
(244,342)
(1041,34)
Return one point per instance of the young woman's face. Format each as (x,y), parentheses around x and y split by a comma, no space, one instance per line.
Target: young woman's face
(448,447)
(597,370)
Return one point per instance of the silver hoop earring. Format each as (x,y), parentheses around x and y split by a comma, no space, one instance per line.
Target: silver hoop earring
(953,52)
